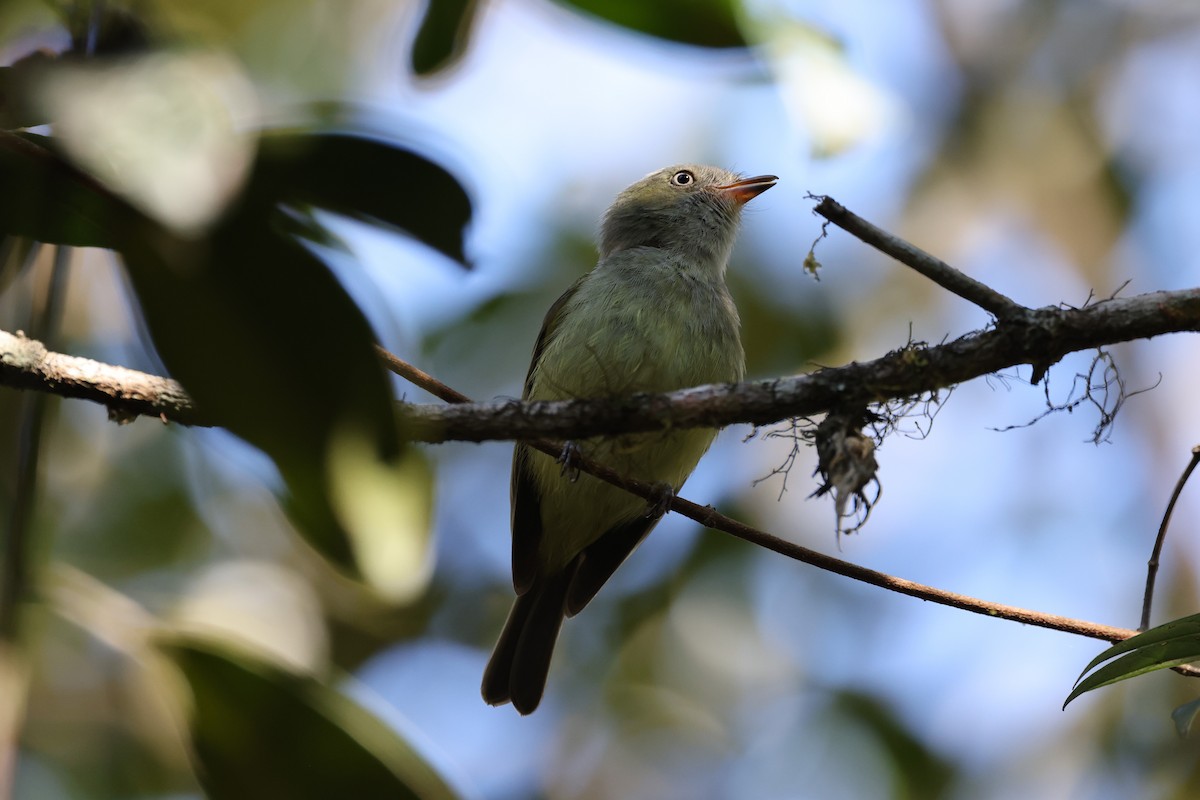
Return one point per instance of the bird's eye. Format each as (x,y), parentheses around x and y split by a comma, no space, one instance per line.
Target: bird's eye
(683,178)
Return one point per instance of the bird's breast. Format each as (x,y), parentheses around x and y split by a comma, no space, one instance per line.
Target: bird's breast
(647,331)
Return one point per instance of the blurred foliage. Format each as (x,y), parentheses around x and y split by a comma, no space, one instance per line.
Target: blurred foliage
(261,732)
(442,37)
(217,228)
(706,23)
(262,287)
(57,203)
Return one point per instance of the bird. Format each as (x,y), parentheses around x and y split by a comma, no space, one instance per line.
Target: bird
(654,315)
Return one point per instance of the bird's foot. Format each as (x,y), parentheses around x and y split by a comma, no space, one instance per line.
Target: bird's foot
(660,503)
(568,459)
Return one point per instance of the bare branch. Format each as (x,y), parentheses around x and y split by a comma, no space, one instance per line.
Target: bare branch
(912,256)
(420,377)
(27,364)
(1041,336)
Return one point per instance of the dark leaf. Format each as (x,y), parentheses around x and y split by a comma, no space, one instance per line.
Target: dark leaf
(47,199)
(706,23)
(17,106)
(442,38)
(365,179)
(259,731)
(272,347)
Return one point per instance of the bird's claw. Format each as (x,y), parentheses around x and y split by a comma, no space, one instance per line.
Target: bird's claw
(568,459)
(660,503)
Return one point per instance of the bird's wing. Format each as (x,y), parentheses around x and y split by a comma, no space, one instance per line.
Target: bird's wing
(526,503)
(550,326)
(601,559)
(526,521)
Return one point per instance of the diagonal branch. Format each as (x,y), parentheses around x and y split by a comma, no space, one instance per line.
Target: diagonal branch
(912,256)
(1152,564)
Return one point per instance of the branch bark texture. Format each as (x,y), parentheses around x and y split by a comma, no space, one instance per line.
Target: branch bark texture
(1040,338)
(27,364)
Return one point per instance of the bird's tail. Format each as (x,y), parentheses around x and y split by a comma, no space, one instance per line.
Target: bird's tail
(519,665)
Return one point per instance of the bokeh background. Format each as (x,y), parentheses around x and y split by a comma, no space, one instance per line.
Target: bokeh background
(1049,149)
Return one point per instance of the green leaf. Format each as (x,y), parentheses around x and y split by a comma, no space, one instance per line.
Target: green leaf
(442,38)
(1169,645)
(1175,629)
(260,731)
(366,179)
(706,23)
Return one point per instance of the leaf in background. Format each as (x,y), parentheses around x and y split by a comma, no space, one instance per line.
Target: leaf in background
(241,311)
(164,130)
(1185,717)
(387,509)
(48,200)
(442,38)
(259,731)
(706,23)
(272,347)
(18,106)
(837,106)
(365,179)
(917,769)
(1168,645)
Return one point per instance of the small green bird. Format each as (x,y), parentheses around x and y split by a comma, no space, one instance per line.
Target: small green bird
(654,315)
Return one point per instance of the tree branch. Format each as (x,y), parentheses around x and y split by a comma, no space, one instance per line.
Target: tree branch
(27,364)
(1040,336)
(711,518)
(912,256)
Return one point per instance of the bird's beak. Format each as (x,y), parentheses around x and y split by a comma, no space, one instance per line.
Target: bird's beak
(747,189)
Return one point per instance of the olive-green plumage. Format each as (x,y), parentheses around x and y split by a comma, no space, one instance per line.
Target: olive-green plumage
(653,316)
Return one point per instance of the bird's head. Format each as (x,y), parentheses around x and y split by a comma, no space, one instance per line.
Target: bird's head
(690,209)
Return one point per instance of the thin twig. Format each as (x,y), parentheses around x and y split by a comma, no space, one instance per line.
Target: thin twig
(1152,564)
(912,256)
(419,377)
(710,517)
